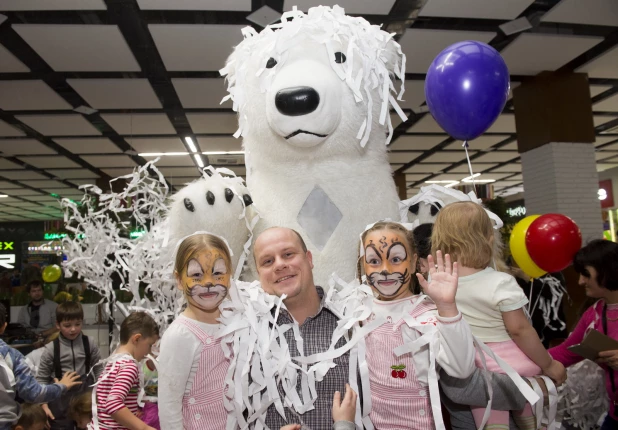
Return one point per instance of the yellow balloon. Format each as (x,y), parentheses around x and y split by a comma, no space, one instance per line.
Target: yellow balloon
(517,243)
(52,273)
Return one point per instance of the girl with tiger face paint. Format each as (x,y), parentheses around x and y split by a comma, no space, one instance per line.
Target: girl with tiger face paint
(389,263)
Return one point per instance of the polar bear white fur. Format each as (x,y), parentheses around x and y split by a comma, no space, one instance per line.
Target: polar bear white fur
(313,96)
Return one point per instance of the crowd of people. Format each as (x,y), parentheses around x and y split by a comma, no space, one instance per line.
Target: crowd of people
(434,291)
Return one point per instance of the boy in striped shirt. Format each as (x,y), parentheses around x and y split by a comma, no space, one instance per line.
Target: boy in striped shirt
(116,403)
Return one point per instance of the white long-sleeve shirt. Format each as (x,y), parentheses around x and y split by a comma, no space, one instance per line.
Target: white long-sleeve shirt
(178,362)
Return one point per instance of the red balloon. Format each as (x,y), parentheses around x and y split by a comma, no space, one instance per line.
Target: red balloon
(552,240)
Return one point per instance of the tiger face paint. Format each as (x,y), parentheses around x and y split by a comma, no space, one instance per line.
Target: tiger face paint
(388,263)
(206,280)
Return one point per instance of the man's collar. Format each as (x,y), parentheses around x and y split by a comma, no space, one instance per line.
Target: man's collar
(285,313)
(41,304)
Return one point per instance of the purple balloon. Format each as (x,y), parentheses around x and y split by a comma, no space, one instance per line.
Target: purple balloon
(466,88)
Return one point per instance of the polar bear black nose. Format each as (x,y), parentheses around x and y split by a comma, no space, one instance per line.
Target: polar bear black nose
(297,101)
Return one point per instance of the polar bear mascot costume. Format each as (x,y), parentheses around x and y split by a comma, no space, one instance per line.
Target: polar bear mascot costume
(313,95)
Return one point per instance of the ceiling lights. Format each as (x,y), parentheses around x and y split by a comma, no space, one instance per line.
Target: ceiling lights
(467,180)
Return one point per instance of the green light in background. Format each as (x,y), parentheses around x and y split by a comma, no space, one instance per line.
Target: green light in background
(136,234)
(54,236)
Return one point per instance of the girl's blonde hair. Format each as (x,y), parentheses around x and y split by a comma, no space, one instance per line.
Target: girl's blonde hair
(196,243)
(465,231)
(394,226)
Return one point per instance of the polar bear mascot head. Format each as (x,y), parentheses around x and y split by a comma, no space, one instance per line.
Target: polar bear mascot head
(314,95)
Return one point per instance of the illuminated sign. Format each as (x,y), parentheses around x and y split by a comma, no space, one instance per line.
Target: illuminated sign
(7,261)
(54,236)
(136,234)
(516,211)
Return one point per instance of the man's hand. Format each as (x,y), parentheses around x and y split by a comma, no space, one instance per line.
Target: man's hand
(608,357)
(344,410)
(291,427)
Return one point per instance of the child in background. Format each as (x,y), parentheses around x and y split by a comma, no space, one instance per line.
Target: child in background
(492,303)
(71,351)
(33,417)
(400,385)
(118,387)
(15,376)
(422,242)
(80,410)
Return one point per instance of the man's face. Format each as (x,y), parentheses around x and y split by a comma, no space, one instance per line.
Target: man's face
(206,279)
(283,267)
(70,329)
(388,263)
(36,293)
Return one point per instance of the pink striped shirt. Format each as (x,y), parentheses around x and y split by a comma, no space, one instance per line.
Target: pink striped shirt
(118,387)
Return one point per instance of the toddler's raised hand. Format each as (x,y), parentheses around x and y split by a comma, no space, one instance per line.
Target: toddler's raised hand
(344,410)
(443,285)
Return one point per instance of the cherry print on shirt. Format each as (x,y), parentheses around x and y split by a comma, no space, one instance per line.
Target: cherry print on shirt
(398,371)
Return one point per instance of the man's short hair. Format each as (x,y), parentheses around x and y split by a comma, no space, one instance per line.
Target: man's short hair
(33,284)
(69,311)
(303,245)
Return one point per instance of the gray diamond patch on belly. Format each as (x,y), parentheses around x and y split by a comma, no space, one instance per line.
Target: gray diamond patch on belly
(319,217)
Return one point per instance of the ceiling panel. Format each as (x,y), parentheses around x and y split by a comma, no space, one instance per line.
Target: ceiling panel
(532,53)
(603,66)
(510,147)
(355,7)
(73,174)
(24,5)
(479,167)
(79,48)
(600,120)
(402,157)
(23,192)
(60,125)
(606,166)
(9,63)
(595,90)
(426,125)
(57,161)
(216,43)
(80,182)
(23,147)
(426,168)
(213,122)
(115,172)
(178,181)
(447,157)
(144,123)
(225,144)
(101,161)
(609,104)
(408,142)
(497,156)
(414,177)
(483,9)
(508,168)
(591,12)
(480,143)
(172,160)
(18,175)
(157,144)
(414,95)
(30,95)
(116,93)
(7,130)
(235,5)
(604,155)
(202,93)
(180,171)
(94,145)
(6,184)
(45,184)
(422,46)
(504,124)
(6,164)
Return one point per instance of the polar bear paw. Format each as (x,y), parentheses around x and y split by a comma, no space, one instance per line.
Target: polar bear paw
(216,204)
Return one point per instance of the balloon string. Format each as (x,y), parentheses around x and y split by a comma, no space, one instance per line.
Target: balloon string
(530,298)
(465,145)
